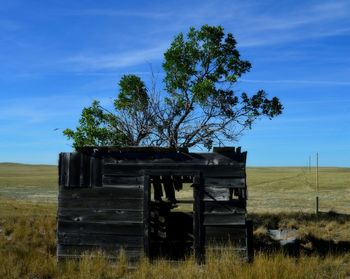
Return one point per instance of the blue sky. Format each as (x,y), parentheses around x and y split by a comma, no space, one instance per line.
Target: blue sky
(57,56)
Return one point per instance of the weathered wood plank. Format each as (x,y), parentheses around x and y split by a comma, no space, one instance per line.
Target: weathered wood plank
(124,191)
(226,182)
(106,227)
(121,170)
(216,194)
(218,219)
(96,165)
(231,152)
(96,239)
(172,163)
(198,228)
(74,169)
(99,215)
(238,206)
(136,170)
(131,149)
(60,170)
(101,203)
(112,179)
(231,171)
(110,164)
(221,194)
(85,172)
(212,171)
(155,157)
(146,216)
(222,234)
(64,166)
(177,169)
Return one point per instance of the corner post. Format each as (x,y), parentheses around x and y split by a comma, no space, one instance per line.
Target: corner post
(146,214)
(199,237)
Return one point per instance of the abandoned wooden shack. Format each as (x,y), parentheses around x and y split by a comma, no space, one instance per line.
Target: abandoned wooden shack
(132,198)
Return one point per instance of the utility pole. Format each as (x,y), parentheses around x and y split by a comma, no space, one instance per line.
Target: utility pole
(316,204)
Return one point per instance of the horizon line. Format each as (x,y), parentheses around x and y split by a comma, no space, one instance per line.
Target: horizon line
(248,166)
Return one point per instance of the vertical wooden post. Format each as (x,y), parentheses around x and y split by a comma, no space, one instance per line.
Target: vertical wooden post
(198,218)
(249,240)
(64,166)
(146,215)
(317,201)
(96,171)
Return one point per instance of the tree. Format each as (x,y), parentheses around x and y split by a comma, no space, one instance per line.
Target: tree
(129,125)
(197,107)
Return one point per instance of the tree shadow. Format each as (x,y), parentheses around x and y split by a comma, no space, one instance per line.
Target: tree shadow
(272,220)
(325,247)
(306,244)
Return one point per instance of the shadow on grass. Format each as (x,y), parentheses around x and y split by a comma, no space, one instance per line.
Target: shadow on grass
(272,221)
(305,243)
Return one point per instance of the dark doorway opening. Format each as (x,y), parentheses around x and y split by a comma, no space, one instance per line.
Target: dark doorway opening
(171,228)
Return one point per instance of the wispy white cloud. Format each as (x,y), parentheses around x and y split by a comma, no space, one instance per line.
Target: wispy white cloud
(115,61)
(305,15)
(254,27)
(36,110)
(250,21)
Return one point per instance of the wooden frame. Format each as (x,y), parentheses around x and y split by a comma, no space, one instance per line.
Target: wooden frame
(197,208)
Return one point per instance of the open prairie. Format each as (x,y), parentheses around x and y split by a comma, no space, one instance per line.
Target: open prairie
(278,198)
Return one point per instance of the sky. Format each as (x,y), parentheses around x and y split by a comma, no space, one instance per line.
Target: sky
(58,56)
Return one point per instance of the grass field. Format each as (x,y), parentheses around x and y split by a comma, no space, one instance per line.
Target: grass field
(278,198)
(293,189)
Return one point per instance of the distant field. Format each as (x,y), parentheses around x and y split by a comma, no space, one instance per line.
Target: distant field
(293,189)
(27,189)
(269,189)
(28,182)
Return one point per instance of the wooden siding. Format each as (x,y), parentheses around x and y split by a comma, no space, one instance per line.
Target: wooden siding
(104,195)
(97,211)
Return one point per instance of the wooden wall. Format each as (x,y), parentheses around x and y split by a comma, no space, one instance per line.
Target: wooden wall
(102,193)
(97,210)
(224,205)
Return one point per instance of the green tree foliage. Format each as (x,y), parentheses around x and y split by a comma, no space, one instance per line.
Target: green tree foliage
(133,95)
(197,107)
(128,125)
(96,128)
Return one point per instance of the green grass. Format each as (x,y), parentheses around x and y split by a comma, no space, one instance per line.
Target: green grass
(278,198)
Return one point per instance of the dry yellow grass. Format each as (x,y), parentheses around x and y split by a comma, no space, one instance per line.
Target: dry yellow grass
(293,189)
(28,247)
